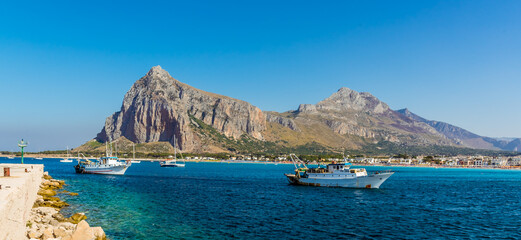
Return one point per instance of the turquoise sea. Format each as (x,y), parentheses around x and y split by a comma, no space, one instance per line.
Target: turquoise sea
(254,201)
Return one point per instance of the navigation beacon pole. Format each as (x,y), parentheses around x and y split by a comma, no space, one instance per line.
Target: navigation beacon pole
(22,144)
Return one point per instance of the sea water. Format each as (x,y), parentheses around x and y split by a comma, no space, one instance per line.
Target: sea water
(254,201)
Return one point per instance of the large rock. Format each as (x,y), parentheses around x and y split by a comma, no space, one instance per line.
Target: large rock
(99,233)
(159,108)
(48,233)
(83,232)
(61,232)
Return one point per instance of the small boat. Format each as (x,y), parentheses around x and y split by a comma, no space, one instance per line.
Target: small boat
(335,175)
(38,158)
(10,157)
(173,162)
(105,165)
(68,159)
(134,154)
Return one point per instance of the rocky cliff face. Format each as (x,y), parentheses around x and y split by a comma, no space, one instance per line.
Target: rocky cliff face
(160,108)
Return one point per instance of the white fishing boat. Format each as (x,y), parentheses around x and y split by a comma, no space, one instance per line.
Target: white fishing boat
(173,162)
(67,159)
(335,175)
(10,157)
(106,165)
(38,158)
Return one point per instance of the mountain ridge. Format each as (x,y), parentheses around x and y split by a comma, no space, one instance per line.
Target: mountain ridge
(160,108)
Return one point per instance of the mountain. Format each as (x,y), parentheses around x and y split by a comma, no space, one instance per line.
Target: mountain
(159,108)
(352,119)
(466,138)
(159,112)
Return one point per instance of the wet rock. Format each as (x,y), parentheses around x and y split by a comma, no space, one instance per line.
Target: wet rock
(77,217)
(46,192)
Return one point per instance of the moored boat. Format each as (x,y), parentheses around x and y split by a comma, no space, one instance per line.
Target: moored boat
(67,159)
(172,162)
(106,165)
(335,175)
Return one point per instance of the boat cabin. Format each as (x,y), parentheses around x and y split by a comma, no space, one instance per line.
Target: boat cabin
(338,167)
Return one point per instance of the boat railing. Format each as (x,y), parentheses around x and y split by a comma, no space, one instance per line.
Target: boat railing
(381,172)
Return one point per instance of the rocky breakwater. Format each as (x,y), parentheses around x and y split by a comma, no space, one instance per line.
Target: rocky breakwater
(47,223)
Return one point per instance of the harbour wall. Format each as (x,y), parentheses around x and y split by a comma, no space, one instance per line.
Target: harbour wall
(17,195)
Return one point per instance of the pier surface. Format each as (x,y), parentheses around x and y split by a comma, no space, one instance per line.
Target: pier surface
(17,195)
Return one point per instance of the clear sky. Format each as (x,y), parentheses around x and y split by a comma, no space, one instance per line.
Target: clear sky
(65,66)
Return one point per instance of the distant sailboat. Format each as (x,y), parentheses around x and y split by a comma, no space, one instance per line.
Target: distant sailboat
(39,158)
(173,163)
(134,154)
(67,160)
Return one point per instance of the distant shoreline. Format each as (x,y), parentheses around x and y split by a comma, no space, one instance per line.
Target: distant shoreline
(290,163)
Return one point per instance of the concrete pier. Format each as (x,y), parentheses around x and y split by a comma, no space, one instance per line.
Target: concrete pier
(17,195)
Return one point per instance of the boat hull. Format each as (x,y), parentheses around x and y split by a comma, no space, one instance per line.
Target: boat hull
(173,165)
(370,181)
(101,169)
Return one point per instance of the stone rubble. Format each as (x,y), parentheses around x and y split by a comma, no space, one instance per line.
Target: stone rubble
(47,223)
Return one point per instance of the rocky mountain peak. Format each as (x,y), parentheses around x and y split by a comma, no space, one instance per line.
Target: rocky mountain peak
(156,70)
(346,99)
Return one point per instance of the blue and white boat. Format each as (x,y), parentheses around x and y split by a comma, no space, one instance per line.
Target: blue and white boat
(105,165)
(335,175)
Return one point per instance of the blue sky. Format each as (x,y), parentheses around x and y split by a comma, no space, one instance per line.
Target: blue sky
(65,66)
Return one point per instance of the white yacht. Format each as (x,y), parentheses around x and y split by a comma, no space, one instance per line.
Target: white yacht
(134,154)
(105,165)
(335,175)
(67,159)
(173,162)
